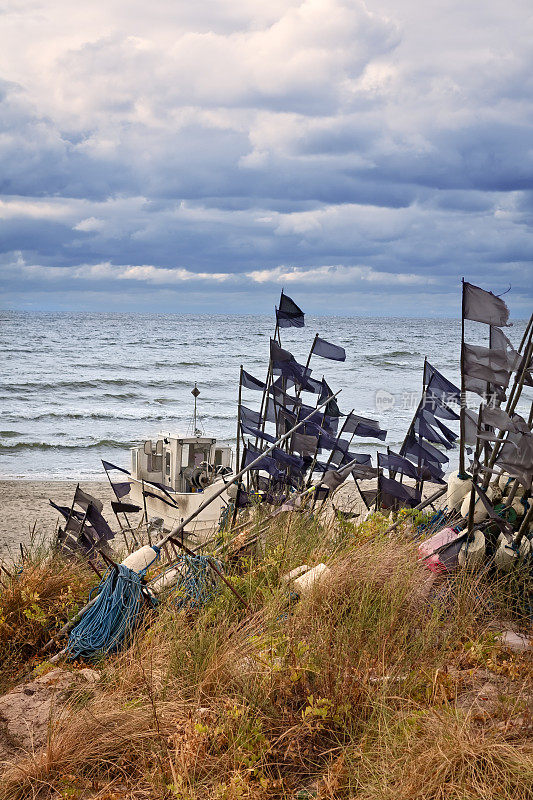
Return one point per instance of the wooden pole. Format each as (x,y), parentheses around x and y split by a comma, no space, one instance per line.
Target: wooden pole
(239,403)
(462,412)
(299,390)
(511,405)
(477,453)
(118,499)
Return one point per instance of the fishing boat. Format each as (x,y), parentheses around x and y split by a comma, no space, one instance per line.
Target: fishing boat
(173,474)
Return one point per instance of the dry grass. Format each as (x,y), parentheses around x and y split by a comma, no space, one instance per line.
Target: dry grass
(349,694)
(36,597)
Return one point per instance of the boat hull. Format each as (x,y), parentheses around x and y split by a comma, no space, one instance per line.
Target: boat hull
(157,504)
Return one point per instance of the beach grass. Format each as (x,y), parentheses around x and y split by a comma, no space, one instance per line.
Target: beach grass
(382,682)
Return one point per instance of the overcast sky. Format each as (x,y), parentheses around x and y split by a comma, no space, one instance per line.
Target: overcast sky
(179,156)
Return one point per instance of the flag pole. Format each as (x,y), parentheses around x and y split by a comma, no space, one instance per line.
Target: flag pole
(511,405)
(420,482)
(472,504)
(299,391)
(462,411)
(239,403)
(118,499)
(238,446)
(72,506)
(181,526)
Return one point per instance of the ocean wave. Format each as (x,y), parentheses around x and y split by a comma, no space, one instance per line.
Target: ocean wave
(108,443)
(118,414)
(93,383)
(10,434)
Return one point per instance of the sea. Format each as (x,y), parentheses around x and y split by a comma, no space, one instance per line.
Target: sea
(80,387)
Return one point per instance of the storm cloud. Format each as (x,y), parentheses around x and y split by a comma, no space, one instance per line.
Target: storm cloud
(175,156)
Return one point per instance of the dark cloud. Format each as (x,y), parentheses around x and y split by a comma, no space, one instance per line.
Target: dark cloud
(184,155)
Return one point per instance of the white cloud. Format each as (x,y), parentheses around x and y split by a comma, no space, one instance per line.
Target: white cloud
(335,275)
(178,143)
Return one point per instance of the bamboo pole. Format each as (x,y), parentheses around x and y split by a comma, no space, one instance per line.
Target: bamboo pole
(462,412)
(472,504)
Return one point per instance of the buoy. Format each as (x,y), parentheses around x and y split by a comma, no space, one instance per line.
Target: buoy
(504,480)
(442,561)
(294,573)
(305,583)
(507,556)
(141,558)
(480,512)
(166,580)
(458,487)
(472,553)
(519,507)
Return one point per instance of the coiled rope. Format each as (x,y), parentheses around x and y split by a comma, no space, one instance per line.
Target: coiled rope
(110,622)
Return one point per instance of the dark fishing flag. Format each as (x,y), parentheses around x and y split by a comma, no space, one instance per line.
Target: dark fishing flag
(267,463)
(259,434)
(120,488)
(486,363)
(424,429)
(249,417)
(249,382)
(434,403)
(124,508)
(303,444)
(393,494)
(364,426)
(289,315)
(440,385)
(328,350)
(482,306)
(397,463)
(332,409)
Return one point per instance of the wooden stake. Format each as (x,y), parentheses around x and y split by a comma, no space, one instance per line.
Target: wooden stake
(462,412)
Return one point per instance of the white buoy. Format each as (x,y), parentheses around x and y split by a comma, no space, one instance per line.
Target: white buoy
(457,489)
(294,573)
(480,512)
(518,506)
(305,583)
(472,553)
(503,480)
(166,580)
(506,556)
(141,558)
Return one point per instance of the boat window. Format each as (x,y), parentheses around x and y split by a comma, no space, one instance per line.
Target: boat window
(167,463)
(218,458)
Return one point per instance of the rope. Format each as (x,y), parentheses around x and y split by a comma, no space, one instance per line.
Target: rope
(197,585)
(110,622)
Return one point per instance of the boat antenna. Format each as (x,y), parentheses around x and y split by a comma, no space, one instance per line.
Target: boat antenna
(195,392)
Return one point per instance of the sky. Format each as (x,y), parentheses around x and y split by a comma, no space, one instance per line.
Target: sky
(197,157)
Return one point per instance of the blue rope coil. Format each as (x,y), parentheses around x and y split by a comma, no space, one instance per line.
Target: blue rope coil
(110,622)
(197,586)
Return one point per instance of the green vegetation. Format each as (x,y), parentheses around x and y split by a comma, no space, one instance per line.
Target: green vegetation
(372,687)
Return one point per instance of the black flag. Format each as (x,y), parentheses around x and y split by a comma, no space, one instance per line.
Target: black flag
(249,382)
(289,315)
(328,350)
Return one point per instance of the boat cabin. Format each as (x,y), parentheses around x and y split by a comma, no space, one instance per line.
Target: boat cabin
(184,464)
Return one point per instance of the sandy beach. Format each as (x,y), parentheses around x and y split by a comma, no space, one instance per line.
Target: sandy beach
(24,503)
